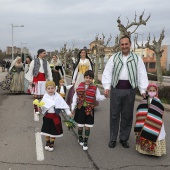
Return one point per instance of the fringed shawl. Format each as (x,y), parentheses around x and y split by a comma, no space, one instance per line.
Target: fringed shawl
(148,122)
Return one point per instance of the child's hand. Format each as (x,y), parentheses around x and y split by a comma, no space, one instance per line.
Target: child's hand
(39,109)
(71,115)
(106,93)
(72,112)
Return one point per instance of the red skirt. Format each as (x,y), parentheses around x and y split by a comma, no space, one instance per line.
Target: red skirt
(39,77)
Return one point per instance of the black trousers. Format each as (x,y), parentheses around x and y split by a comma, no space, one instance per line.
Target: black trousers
(121,113)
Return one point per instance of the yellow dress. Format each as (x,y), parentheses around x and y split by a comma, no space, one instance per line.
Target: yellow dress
(83,66)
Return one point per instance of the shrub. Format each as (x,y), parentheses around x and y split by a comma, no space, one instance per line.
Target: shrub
(152,77)
(164,92)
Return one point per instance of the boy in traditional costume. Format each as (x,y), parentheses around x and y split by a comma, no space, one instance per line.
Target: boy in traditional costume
(83,105)
(149,127)
(53,103)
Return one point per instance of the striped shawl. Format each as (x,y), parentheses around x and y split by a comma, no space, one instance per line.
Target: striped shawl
(86,97)
(148,122)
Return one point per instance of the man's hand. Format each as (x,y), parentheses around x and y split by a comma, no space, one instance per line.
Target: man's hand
(106,92)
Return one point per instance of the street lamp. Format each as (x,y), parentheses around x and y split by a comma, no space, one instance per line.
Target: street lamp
(13,38)
(142,41)
(21,50)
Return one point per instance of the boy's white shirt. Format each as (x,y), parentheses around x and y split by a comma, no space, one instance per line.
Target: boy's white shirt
(99,97)
(54,101)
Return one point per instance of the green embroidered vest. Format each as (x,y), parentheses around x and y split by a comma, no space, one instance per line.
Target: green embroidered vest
(131,62)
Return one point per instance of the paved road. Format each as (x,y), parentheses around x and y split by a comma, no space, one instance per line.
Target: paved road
(19,150)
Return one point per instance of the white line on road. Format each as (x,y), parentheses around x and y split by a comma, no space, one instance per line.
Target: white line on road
(39,147)
(36,117)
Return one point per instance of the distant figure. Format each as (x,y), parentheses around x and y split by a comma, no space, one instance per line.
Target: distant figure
(8,65)
(57,69)
(3,65)
(14,80)
(26,82)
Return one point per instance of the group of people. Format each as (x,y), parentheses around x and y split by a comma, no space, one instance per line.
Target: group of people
(123,73)
(5,65)
(15,80)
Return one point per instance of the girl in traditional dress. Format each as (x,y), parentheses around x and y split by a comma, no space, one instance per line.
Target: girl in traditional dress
(83,106)
(149,126)
(57,69)
(14,80)
(52,126)
(39,72)
(83,64)
(62,88)
(26,82)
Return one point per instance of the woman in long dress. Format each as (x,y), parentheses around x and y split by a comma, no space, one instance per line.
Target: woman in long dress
(83,64)
(14,80)
(26,82)
(57,69)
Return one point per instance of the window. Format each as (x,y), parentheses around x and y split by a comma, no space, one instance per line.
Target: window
(152,65)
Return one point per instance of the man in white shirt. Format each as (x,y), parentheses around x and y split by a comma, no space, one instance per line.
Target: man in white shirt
(39,72)
(124,72)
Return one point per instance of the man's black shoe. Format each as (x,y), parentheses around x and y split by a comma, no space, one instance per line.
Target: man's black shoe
(112,144)
(125,144)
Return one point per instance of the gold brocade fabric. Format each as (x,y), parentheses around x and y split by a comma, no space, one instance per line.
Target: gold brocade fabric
(159,150)
(17,83)
(83,68)
(62,95)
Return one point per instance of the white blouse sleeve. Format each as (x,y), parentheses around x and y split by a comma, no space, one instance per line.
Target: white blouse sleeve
(99,97)
(142,77)
(75,74)
(49,71)
(74,102)
(30,72)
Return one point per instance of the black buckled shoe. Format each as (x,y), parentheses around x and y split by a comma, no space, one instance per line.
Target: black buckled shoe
(112,144)
(124,143)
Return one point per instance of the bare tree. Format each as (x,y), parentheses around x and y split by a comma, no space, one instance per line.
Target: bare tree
(100,53)
(124,29)
(156,47)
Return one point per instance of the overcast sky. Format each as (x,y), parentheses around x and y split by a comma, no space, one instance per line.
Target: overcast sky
(49,24)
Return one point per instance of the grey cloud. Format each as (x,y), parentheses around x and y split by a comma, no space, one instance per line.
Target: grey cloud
(49,23)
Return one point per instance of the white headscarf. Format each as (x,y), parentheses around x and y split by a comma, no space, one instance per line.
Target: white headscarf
(58,63)
(14,63)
